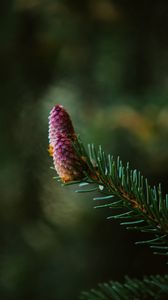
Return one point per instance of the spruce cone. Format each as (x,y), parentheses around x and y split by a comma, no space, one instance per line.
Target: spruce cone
(68,164)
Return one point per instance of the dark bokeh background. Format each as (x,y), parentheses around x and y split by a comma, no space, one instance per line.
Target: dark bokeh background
(107,63)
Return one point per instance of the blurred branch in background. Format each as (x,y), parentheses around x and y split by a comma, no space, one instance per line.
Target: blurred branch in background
(106,62)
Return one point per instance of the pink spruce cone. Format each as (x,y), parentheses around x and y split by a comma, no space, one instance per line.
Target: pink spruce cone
(68,164)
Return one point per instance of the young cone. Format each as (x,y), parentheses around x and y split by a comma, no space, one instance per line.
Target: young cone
(68,164)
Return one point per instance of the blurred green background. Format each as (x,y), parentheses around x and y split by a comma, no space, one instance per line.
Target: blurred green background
(107,63)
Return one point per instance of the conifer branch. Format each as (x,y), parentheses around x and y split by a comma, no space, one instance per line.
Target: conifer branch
(150,288)
(146,208)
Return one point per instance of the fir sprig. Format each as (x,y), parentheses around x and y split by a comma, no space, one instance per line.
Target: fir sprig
(147,209)
(150,288)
